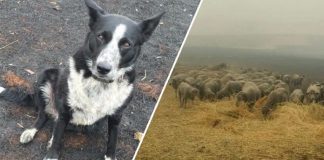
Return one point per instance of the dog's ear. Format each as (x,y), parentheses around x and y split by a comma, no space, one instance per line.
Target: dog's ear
(148,26)
(94,11)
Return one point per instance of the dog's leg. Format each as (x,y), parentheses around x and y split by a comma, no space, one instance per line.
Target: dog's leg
(28,134)
(57,135)
(113,122)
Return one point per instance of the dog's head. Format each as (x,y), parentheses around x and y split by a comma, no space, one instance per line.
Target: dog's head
(114,42)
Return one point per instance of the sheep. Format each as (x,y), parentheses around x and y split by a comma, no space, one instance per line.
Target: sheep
(322,94)
(201,77)
(277,75)
(277,81)
(250,94)
(258,81)
(229,89)
(265,88)
(297,96)
(270,79)
(277,96)
(190,80)
(220,66)
(241,77)
(210,88)
(246,70)
(296,81)
(269,73)
(286,78)
(176,80)
(282,84)
(228,77)
(186,92)
(208,94)
(199,84)
(314,93)
(193,73)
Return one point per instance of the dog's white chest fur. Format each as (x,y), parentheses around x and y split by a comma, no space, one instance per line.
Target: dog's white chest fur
(92,100)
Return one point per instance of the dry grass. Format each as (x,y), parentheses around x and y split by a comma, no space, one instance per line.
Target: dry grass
(12,80)
(222,131)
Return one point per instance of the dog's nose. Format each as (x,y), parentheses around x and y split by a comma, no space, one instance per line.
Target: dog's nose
(103,68)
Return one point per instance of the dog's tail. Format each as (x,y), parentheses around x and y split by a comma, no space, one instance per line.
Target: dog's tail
(19,95)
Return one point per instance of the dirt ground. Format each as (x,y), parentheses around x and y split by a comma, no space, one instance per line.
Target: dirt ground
(221,130)
(37,34)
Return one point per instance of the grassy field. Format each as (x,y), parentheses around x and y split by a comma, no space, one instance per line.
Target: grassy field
(221,130)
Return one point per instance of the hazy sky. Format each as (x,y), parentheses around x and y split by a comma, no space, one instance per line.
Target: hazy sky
(239,17)
(268,28)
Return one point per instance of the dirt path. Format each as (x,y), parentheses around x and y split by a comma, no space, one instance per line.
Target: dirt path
(35,36)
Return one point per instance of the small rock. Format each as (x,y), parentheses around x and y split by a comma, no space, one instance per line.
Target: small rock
(29,71)
(55,5)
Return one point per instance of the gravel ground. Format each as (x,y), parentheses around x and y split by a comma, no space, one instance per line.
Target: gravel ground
(36,34)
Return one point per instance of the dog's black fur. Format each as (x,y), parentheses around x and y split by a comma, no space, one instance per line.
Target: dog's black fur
(85,63)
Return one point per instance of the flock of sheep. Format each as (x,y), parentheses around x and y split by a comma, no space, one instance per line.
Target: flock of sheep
(247,85)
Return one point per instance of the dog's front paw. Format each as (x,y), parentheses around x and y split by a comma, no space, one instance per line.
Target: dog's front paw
(109,158)
(28,135)
(51,156)
(2,89)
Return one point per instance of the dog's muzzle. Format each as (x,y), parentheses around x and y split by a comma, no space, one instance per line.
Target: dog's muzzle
(103,68)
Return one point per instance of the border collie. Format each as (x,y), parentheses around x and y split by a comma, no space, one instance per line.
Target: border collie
(98,83)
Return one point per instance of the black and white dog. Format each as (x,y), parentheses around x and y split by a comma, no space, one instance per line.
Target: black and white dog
(97,84)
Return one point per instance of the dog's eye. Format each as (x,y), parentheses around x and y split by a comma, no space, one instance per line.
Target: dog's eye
(124,44)
(100,37)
